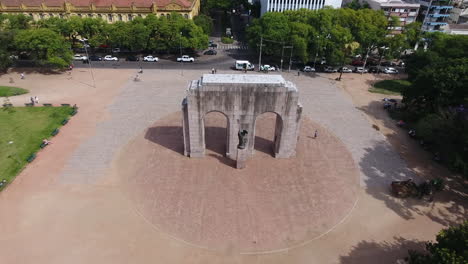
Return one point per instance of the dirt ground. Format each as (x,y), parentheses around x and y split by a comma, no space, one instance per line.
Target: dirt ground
(45,219)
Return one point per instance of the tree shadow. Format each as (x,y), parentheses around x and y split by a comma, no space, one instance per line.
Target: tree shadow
(370,252)
(378,166)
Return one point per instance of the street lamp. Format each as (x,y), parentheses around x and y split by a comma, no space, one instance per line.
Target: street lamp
(89,61)
(182,63)
(381,56)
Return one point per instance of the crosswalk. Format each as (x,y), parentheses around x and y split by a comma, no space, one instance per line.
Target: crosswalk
(232,47)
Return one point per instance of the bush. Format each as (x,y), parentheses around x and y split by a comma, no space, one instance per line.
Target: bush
(227,40)
(395,87)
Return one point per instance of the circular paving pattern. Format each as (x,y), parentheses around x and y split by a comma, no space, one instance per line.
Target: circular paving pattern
(270,205)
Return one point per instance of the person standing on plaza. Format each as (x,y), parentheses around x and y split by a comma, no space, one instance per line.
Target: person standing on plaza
(315,133)
(36,99)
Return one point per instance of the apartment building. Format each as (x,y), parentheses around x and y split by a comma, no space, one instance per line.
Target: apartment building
(283,5)
(434,14)
(406,11)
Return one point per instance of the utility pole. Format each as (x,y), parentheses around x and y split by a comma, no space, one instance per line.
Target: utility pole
(290,58)
(282,53)
(260,56)
(182,63)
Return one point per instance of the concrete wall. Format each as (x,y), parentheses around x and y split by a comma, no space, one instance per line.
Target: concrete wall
(241,98)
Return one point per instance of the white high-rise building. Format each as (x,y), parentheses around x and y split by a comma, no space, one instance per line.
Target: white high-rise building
(283,5)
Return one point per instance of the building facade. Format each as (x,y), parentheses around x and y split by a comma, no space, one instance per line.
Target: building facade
(283,5)
(108,10)
(406,11)
(435,14)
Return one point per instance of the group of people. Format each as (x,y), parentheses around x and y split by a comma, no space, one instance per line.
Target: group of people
(34,100)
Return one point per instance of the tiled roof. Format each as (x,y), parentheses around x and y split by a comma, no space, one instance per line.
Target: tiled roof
(118,3)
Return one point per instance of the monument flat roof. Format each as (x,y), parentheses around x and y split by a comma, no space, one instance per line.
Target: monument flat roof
(242,78)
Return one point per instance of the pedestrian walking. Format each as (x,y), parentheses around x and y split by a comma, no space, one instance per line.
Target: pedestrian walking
(298,73)
(315,133)
(36,99)
(32,100)
(212,70)
(22,76)
(216,71)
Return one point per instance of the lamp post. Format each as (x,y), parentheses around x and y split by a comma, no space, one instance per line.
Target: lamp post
(182,63)
(89,60)
(381,56)
(367,55)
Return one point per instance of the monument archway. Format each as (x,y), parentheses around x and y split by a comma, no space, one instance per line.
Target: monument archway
(268,130)
(216,131)
(241,98)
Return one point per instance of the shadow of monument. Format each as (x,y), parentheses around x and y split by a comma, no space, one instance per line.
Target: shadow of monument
(169,137)
(369,252)
(264,145)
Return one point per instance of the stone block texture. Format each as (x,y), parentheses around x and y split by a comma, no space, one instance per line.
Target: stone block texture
(241,98)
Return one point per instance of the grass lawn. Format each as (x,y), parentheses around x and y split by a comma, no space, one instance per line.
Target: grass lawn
(22,130)
(391,87)
(11,91)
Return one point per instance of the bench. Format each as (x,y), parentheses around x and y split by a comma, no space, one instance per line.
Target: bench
(65,104)
(31,157)
(29,104)
(55,132)
(65,121)
(43,145)
(74,112)
(7,105)
(47,104)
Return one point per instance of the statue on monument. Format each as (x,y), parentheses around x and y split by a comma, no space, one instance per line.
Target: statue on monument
(242,139)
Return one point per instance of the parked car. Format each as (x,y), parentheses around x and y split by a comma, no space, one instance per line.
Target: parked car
(267,67)
(308,69)
(95,58)
(210,52)
(360,70)
(213,45)
(375,70)
(345,70)
(329,69)
(150,58)
(110,58)
(132,58)
(185,58)
(79,57)
(390,70)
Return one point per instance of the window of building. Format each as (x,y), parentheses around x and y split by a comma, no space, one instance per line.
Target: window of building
(186,16)
(139,15)
(61,15)
(130,17)
(406,10)
(51,15)
(90,15)
(385,9)
(120,17)
(80,15)
(109,17)
(30,14)
(413,10)
(100,16)
(41,16)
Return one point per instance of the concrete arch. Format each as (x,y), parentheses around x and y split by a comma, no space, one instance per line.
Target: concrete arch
(227,130)
(241,98)
(277,134)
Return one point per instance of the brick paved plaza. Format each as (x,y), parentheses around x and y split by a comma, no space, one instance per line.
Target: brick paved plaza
(114,187)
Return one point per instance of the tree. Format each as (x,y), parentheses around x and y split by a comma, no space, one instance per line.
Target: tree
(45,46)
(451,247)
(205,22)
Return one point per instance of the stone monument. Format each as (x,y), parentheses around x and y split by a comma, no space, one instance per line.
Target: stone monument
(241,98)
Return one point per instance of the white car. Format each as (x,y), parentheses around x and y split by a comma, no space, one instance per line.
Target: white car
(308,69)
(360,70)
(110,58)
(390,70)
(185,58)
(79,57)
(150,58)
(267,67)
(345,70)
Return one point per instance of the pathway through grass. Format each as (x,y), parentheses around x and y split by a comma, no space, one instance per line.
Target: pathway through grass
(11,91)
(390,87)
(22,130)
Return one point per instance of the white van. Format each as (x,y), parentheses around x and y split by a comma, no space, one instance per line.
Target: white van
(244,65)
